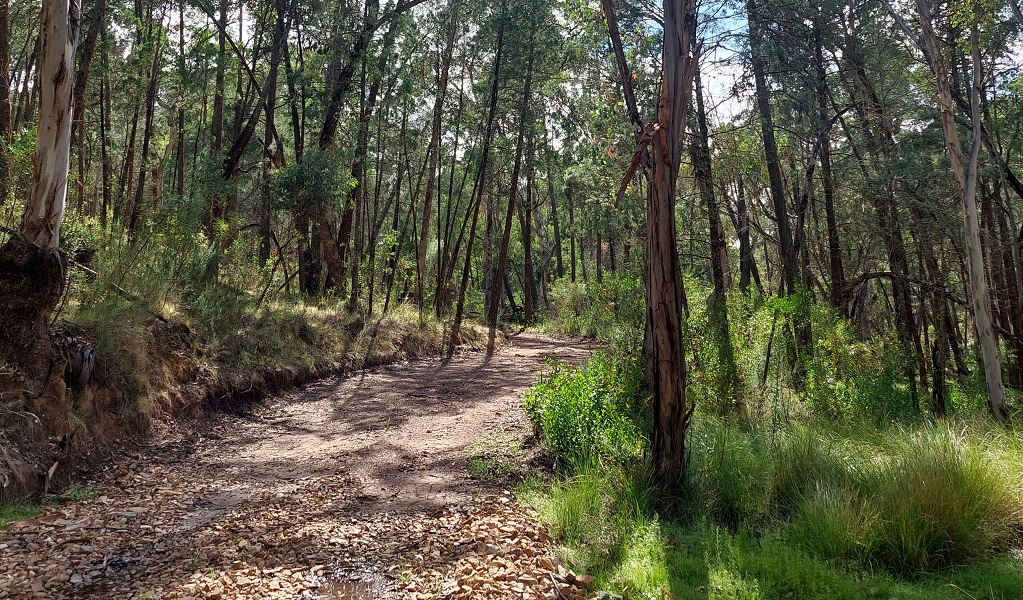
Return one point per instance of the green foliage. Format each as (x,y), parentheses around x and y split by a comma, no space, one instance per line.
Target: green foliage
(12,513)
(320,180)
(605,521)
(78,492)
(726,475)
(842,376)
(907,500)
(940,502)
(588,414)
(849,377)
(614,308)
(596,510)
(495,459)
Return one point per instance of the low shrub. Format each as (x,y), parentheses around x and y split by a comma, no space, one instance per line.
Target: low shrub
(596,510)
(587,414)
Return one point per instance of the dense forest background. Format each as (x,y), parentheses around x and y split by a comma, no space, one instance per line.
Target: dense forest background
(466,158)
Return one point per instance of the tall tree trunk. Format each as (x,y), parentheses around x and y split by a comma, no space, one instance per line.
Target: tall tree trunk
(781,214)
(44,211)
(965,169)
(747,261)
(134,222)
(882,146)
(827,180)
(718,302)
(104,136)
(433,152)
(526,230)
(179,160)
(502,257)
(31,270)
(555,222)
(5,100)
(97,19)
(665,350)
(481,175)
(571,228)
(356,198)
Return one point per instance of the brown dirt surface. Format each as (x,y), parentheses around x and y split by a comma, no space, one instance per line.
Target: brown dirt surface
(349,488)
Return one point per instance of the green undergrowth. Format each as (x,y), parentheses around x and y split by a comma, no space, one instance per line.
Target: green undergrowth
(171,307)
(814,508)
(18,511)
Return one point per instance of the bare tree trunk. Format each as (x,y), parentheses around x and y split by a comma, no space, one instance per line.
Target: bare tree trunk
(147,133)
(965,169)
(558,251)
(502,258)
(827,181)
(44,211)
(571,228)
(30,85)
(481,175)
(5,99)
(358,192)
(433,152)
(179,160)
(96,20)
(718,302)
(31,268)
(781,213)
(104,136)
(526,229)
(665,351)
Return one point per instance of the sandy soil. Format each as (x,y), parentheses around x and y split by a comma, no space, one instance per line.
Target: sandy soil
(348,488)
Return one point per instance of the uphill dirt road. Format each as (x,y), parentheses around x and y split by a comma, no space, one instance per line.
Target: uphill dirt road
(349,488)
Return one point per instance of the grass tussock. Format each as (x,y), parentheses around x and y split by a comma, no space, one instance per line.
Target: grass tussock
(822,509)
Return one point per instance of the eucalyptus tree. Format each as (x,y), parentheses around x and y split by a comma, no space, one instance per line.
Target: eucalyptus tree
(665,353)
(31,266)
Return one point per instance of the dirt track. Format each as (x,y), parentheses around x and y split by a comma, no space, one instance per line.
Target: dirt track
(349,488)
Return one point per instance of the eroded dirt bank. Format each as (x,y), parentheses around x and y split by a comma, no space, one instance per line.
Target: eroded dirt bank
(349,488)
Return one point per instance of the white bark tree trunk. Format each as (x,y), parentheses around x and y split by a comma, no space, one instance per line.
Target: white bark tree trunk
(44,211)
(966,176)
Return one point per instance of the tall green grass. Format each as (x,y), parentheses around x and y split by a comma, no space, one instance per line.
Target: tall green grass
(779,509)
(909,499)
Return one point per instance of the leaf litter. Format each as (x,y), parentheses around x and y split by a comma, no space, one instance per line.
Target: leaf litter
(348,489)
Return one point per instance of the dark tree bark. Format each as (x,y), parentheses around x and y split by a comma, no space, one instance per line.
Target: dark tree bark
(433,152)
(837,269)
(5,99)
(179,159)
(763,97)
(134,215)
(665,350)
(481,175)
(502,257)
(718,302)
(357,194)
(529,299)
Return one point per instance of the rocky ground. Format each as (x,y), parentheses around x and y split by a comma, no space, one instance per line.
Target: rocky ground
(347,489)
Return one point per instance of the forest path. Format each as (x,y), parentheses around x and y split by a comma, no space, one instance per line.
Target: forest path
(349,488)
